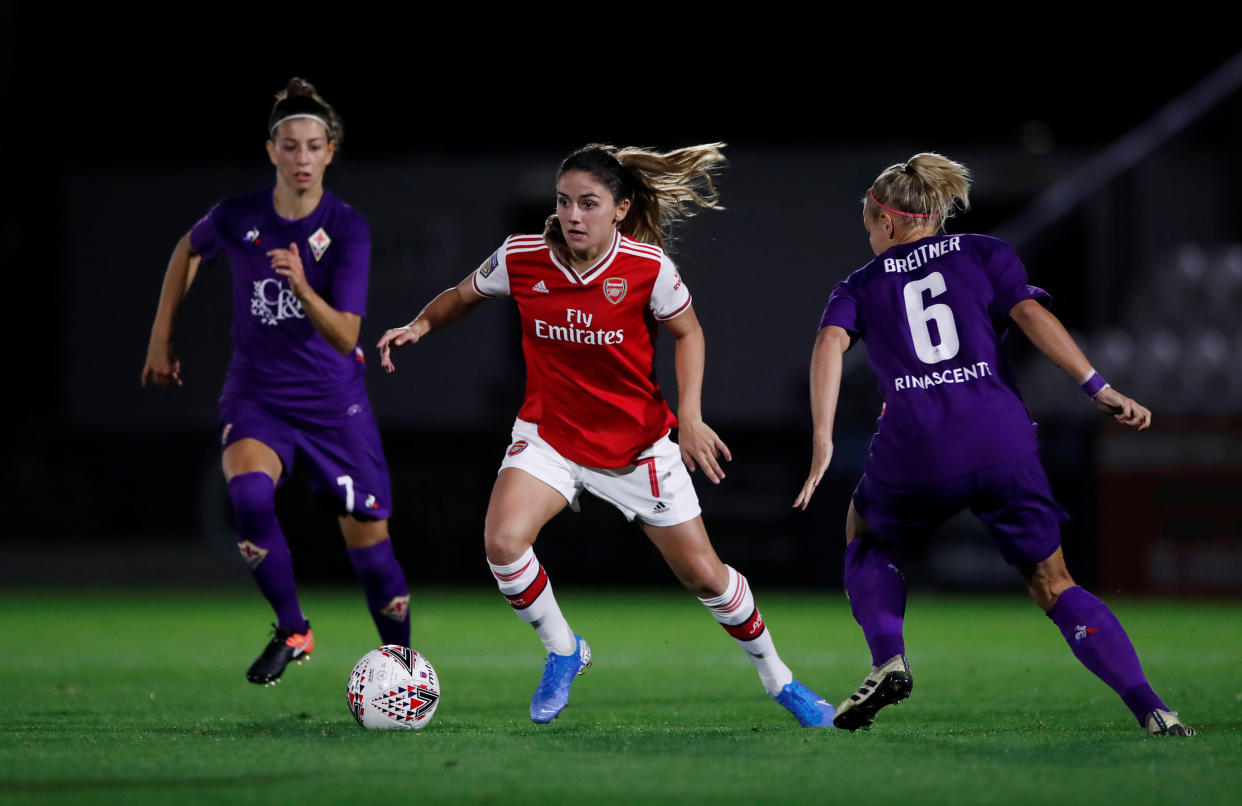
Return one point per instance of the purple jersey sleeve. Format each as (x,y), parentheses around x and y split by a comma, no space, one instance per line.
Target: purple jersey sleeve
(205,238)
(1009,280)
(842,310)
(350,280)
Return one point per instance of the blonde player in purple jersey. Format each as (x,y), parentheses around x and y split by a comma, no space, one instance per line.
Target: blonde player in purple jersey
(300,258)
(954,432)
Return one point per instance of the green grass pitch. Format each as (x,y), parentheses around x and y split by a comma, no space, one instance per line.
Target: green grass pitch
(135,697)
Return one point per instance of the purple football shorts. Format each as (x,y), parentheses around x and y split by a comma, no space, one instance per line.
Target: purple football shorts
(346,461)
(1012,499)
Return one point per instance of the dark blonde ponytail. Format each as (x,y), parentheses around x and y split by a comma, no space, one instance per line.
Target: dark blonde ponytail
(662,188)
(927,189)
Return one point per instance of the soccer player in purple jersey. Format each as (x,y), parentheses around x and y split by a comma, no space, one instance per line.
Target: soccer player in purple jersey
(300,259)
(954,432)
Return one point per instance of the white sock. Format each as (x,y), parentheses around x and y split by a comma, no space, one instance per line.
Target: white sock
(735,610)
(525,584)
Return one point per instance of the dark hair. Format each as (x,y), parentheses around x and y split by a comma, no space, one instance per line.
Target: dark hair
(299,97)
(601,162)
(661,188)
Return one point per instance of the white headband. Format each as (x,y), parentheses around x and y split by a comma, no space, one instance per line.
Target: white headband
(306,115)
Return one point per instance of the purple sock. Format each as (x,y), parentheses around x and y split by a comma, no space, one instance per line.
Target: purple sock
(384,585)
(877,593)
(263,547)
(1098,641)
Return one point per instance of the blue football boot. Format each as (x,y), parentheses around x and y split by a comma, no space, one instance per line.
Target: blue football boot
(552,695)
(810,709)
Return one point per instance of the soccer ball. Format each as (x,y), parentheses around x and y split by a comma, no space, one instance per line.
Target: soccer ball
(393,687)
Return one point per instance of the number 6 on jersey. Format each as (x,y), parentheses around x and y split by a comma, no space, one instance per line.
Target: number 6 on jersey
(918,317)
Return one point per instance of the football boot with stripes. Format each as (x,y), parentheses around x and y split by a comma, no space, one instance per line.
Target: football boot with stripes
(283,648)
(1166,723)
(884,685)
(810,709)
(552,695)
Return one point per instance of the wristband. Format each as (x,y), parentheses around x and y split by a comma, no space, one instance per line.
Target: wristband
(1094,384)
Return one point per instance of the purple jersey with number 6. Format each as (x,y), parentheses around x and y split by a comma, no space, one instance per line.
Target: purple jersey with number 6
(932,314)
(278,357)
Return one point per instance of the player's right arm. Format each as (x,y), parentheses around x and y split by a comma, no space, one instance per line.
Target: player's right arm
(448,306)
(162,367)
(1047,333)
(827,360)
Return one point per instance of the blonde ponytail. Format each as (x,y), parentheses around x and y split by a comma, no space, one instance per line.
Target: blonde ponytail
(662,188)
(926,189)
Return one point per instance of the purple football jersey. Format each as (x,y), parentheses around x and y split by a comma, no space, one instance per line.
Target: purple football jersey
(932,314)
(278,356)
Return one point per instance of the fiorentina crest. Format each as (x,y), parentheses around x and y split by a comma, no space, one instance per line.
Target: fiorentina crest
(319,243)
(252,554)
(398,609)
(614,289)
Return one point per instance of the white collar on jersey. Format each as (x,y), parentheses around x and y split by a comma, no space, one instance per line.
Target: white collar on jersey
(590,274)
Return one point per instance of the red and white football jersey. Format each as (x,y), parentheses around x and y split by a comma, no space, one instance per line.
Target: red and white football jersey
(589,343)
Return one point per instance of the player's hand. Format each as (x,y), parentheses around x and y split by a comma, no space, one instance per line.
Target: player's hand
(820,458)
(1124,410)
(288,264)
(397,336)
(700,447)
(162,367)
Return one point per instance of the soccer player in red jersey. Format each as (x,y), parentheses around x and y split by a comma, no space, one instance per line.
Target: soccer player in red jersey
(591,291)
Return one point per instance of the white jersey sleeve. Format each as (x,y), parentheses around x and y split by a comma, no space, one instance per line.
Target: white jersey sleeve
(491,278)
(669,295)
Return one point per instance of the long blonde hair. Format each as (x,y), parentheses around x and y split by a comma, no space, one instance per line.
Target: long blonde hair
(927,189)
(662,188)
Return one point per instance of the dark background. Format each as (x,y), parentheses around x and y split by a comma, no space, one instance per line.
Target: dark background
(119,133)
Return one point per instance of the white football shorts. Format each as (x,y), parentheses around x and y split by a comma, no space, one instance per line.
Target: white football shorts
(656,489)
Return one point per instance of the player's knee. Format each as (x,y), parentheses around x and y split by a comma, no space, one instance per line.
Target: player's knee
(704,579)
(866,552)
(254,498)
(504,542)
(1047,585)
(362,534)
(700,587)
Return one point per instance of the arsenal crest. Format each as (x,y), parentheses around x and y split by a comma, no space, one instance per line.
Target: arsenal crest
(614,289)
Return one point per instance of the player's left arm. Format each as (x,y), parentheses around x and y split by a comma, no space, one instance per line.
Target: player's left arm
(827,362)
(700,446)
(340,328)
(1047,333)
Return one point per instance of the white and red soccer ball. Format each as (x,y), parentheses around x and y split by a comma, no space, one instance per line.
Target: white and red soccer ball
(393,687)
